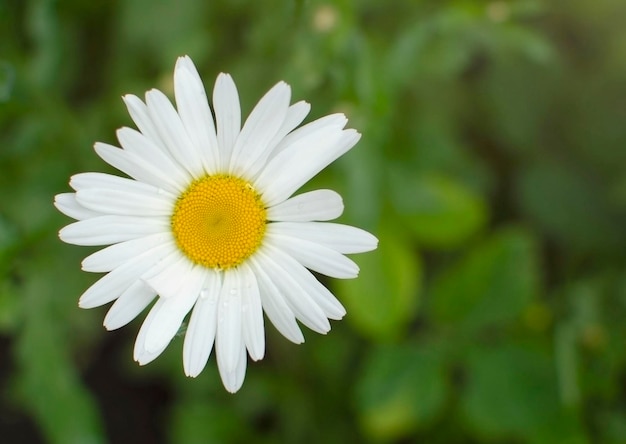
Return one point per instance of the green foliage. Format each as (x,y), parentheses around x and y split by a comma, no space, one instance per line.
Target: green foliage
(491,286)
(383,300)
(403,388)
(512,391)
(491,168)
(46,378)
(438,211)
(568,206)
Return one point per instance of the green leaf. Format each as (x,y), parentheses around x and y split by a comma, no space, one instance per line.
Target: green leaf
(511,393)
(439,211)
(492,285)
(568,207)
(47,381)
(507,389)
(402,389)
(182,32)
(7,80)
(383,299)
(10,307)
(613,426)
(197,422)
(518,129)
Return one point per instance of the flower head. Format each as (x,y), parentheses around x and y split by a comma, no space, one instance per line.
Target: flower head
(206,223)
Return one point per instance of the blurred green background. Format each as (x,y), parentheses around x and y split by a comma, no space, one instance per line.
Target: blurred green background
(491,168)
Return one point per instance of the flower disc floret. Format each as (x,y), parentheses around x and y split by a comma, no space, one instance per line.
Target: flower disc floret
(219,221)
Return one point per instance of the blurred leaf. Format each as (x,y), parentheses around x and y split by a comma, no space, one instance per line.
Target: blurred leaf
(589,337)
(438,44)
(613,427)
(581,328)
(179,30)
(492,285)
(511,392)
(383,299)
(439,211)
(405,53)
(9,240)
(568,207)
(47,381)
(517,109)
(362,176)
(567,363)
(43,28)
(197,422)
(10,307)
(401,390)
(7,80)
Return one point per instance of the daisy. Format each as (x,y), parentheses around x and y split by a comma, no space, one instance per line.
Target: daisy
(206,225)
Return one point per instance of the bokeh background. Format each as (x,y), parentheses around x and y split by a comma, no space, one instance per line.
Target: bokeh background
(491,168)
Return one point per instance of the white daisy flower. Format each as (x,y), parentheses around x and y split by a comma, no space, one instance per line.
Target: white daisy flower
(206,223)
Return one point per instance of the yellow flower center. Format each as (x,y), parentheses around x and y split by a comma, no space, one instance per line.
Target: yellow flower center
(219,221)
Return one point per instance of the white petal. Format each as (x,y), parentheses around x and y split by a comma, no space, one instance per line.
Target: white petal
(303,159)
(227,116)
(106,193)
(129,305)
(202,327)
(125,203)
(302,304)
(193,107)
(314,205)
(171,279)
(172,312)
(110,286)
(274,304)
(343,238)
(132,164)
(115,255)
(252,148)
(316,257)
(139,113)
(229,339)
(108,229)
(331,307)
(172,176)
(163,264)
(233,379)
(66,204)
(252,312)
(140,353)
(173,133)
(295,115)
(336,121)
(89,181)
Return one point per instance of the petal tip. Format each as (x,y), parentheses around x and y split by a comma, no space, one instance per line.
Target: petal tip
(108,325)
(191,374)
(62,235)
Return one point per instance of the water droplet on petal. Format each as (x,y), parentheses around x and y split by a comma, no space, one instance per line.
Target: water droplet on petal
(208,296)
